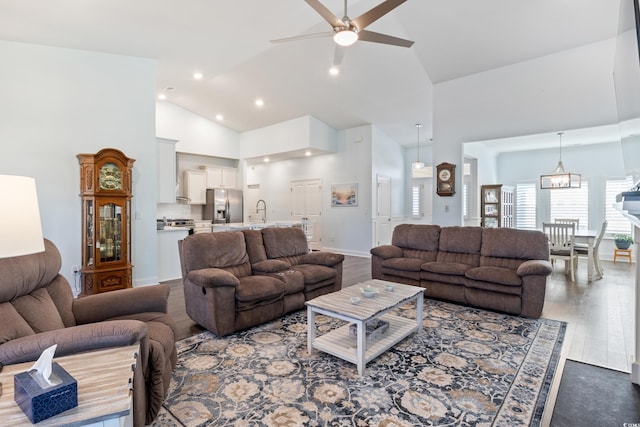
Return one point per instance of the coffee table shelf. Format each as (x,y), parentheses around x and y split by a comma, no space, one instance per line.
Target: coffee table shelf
(342,344)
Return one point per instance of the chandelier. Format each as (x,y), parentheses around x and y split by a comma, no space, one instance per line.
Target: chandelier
(559,178)
(418,164)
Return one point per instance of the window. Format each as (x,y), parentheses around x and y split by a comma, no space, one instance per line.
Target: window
(416,201)
(571,203)
(617,223)
(526,205)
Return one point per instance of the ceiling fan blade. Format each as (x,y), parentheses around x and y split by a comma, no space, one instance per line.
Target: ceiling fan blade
(370,36)
(338,55)
(377,12)
(325,13)
(304,37)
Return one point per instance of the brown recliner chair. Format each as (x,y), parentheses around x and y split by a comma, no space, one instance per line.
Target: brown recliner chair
(38,310)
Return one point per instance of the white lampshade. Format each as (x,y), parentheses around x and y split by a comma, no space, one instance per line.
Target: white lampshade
(345,37)
(20,227)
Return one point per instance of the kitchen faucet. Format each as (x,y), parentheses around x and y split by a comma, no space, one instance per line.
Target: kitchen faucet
(263,209)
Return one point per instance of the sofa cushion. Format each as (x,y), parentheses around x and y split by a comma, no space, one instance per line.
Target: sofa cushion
(258,290)
(407,264)
(39,311)
(514,243)
(466,240)
(450,279)
(494,288)
(453,268)
(416,236)
(284,242)
(255,245)
(270,266)
(12,325)
(214,250)
(315,273)
(504,276)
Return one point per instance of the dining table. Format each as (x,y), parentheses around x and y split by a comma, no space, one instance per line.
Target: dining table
(588,237)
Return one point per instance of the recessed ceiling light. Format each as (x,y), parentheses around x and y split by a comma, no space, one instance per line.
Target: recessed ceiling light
(162,97)
(307,153)
(219,117)
(197,75)
(259,102)
(266,160)
(334,71)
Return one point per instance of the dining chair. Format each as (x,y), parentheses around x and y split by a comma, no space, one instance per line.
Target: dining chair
(561,245)
(575,221)
(583,250)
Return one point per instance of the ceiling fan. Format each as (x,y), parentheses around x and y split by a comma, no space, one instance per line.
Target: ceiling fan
(347,31)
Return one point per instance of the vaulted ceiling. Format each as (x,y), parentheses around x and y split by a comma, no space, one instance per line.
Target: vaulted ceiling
(229,43)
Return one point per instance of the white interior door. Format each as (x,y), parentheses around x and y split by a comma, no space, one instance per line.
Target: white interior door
(306,207)
(383,216)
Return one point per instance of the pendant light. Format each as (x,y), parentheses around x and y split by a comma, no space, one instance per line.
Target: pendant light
(559,178)
(418,164)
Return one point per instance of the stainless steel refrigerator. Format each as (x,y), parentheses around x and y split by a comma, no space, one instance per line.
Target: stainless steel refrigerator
(223,206)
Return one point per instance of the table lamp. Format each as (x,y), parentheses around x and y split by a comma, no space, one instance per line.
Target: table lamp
(20,227)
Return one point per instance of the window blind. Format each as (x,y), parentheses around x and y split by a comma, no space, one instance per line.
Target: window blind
(571,203)
(526,205)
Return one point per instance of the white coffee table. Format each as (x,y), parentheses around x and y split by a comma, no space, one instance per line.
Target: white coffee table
(340,343)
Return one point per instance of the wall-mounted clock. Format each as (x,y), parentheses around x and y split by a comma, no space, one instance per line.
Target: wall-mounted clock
(446,179)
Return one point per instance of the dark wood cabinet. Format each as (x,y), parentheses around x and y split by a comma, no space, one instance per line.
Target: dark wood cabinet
(106,191)
(496,206)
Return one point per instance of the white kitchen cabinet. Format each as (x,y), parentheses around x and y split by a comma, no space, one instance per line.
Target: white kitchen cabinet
(221,177)
(229,177)
(168,256)
(166,162)
(195,185)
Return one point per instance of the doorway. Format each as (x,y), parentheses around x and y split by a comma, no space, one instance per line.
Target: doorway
(306,207)
(383,211)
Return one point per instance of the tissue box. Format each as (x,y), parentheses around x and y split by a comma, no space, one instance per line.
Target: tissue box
(40,403)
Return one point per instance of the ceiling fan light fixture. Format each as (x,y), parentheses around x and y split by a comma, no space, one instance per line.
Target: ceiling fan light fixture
(345,37)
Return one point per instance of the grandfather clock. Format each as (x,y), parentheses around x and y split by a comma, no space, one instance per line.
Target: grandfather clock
(105,188)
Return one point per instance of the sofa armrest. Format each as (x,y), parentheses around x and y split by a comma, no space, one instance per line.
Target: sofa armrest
(100,307)
(270,266)
(387,251)
(212,278)
(328,259)
(535,266)
(74,339)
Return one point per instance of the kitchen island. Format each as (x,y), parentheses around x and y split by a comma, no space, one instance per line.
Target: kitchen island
(233,226)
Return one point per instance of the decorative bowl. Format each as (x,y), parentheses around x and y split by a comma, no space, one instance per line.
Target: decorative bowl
(369,291)
(388,288)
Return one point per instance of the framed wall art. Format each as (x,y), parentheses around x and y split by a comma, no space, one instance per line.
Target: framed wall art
(344,195)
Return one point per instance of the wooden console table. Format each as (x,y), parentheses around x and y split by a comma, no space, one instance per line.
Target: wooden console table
(104,389)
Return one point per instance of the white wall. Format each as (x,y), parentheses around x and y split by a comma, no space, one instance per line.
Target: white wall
(344,229)
(388,159)
(56,103)
(568,90)
(194,133)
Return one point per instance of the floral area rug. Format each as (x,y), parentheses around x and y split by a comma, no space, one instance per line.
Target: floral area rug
(468,367)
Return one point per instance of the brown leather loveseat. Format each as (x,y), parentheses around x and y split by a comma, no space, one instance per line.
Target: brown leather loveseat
(37,310)
(237,279)
(500,269)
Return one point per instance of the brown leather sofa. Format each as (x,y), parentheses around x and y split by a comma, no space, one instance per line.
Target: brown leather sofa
(38,310)
(501,269)
(237,279)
